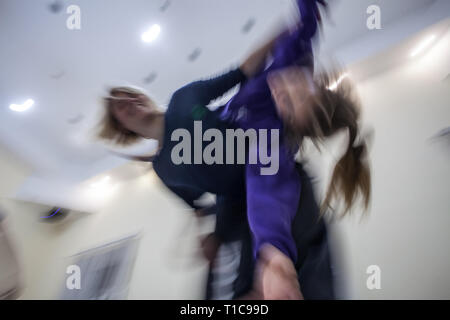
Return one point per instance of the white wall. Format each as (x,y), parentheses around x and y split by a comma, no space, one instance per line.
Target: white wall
(407,230)
(12,172)
(166,266)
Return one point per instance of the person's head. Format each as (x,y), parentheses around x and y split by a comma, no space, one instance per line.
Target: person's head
(127,109)
(319,108)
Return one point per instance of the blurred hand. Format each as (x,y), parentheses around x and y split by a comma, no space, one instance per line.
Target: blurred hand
(276,277)
(256,61)
(324,4)
(199,213)
(210,246)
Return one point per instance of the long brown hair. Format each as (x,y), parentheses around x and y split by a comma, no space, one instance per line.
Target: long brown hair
(336,107)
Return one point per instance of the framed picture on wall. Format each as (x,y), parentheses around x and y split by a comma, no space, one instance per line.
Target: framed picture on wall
(102,273)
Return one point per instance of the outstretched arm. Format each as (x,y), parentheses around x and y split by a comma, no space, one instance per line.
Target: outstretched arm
(295,48)
(208,90)
(204,91)
(272,202)
(310,16)
(256,61)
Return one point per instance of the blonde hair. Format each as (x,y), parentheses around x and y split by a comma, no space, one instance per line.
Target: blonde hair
(110,128)
(337,107)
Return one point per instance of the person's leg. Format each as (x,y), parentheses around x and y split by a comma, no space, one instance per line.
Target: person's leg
(209,283)
(231,243)
(244,281)
(316,273)
(224,271)
(314,265)
(231,218)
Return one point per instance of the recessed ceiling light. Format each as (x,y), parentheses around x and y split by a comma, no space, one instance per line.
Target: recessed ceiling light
(194,54)
(424,45)
(57,75)
(150,78)
(151,34)
(248,25)
(447,78)
(76,119)
(22,107)
(165,5)
(56,6)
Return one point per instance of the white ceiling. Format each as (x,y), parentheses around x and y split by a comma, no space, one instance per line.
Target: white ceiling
(65,71)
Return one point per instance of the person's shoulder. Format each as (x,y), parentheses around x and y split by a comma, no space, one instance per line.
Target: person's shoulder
(184,92)
(183,98)
(176,99)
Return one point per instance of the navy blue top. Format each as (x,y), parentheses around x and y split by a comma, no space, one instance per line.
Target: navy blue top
(188,104)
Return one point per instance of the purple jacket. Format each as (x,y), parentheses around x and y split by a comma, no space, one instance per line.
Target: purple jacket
(272,200)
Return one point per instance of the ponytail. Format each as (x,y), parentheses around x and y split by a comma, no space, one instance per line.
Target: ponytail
(336,106)
(351,176)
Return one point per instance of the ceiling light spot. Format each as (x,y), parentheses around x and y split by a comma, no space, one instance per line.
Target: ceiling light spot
(334,86)
(423,46)
(22,107)
(151,34)
(101,183)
